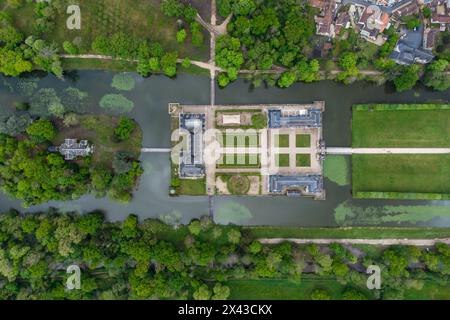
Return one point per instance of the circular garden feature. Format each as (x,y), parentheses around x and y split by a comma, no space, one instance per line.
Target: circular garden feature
(238,184)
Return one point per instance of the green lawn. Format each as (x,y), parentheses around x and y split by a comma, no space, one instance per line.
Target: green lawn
(408,127)
(401,173)
(239,160)
(282,160)
(303,141)
(303,160)
(349,232)
(282,141)
(283,289)
(192,187)
(240,140)
(430,291)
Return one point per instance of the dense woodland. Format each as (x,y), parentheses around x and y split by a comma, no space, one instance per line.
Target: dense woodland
(262,35)
(151,259)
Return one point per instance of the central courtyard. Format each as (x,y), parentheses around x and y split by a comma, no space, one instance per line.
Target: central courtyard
(249,149)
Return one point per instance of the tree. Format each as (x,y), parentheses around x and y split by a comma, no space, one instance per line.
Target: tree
(202,293)
(220,292)
(123,81)
(287,79)
(71,119)
(426,11)
(15,124)
(255,247)
(116,103)
(129,227)
(42,129)
(195,227)
(70,48)
(352,294)
(407,79)
(234,236)
(186,63)
(348,63)
(125,128)
(172,8)
(436,76)
(12,63)
(56,109)
(181,36)
(101,178)
(319,294)
(412,22)
(169,64)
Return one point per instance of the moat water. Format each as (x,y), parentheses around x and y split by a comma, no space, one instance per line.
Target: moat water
(151,97)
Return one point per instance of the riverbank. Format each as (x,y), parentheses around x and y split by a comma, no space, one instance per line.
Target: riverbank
(348,233)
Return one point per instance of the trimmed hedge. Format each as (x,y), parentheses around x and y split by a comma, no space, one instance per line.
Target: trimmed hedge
(400,195)
(399,107)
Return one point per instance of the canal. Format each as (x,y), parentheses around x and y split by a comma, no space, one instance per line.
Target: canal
(151,97)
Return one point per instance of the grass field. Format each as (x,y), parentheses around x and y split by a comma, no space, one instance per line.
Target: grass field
(401,173)
(282,141)
(282,160)
(239,160)
(303,160)
(303,140)
(192,187)
(239,140)
(401,128)
(282,289)
(139,18)
(349,232)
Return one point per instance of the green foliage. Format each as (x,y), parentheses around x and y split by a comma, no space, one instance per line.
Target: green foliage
(15,124)
(436,76)
(123,81)
(411,22)
(320,294)
(125,128)
(169,64)
(70,48)
(42,129)
(407,79)
(116,103)
(181,36)
(186,63)
(150,260)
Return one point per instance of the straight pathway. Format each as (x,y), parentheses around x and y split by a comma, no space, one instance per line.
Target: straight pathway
(349,151)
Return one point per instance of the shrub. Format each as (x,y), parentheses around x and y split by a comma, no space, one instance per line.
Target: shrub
(70,48)
(42,129)
(125,128)
(181,36)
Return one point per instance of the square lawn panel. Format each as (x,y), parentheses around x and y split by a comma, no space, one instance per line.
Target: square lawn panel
(303,140)
(303,160)
(282,160)
(281,140)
